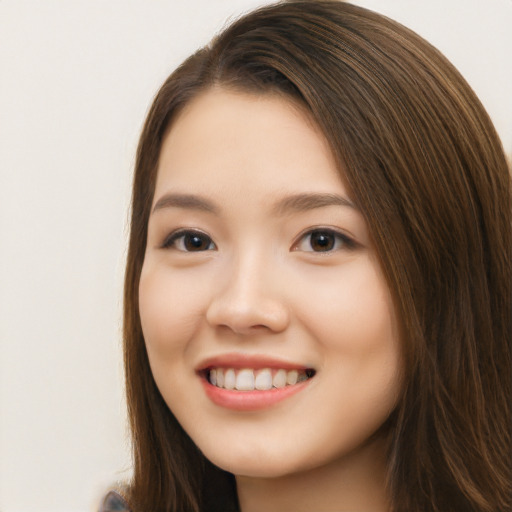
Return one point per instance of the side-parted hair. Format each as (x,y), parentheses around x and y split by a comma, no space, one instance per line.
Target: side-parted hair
(425,166)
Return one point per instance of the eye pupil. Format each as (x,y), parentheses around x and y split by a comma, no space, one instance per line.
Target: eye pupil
(195,242)
(321,241)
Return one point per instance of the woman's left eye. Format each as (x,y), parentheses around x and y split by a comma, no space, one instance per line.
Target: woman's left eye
(189,241)
(323,240)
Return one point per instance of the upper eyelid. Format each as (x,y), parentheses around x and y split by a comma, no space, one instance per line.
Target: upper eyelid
(348,241)
(326,229)
(176,234)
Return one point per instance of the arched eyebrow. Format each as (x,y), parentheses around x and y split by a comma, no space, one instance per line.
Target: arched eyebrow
(310,201)
(292,203)
(187,201)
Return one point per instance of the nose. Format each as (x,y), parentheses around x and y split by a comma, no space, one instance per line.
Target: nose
(249,300)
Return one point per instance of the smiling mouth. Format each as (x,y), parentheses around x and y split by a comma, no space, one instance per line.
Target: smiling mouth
(264,379)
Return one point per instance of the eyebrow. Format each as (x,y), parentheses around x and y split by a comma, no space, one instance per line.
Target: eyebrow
(310,201)
(187,201)
(293,203)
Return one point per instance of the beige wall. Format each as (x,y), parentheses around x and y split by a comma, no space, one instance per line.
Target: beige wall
(77,78)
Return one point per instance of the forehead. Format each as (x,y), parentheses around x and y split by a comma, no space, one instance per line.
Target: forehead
(260,141)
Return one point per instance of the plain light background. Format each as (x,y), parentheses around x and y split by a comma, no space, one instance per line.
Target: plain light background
(77,77)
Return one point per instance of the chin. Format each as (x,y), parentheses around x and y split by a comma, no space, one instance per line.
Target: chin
(257,469)
(259,462)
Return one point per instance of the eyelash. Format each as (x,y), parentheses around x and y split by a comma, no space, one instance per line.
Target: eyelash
(171,241)
(340,240)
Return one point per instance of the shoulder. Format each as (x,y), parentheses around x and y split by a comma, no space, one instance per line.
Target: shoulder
(114,502)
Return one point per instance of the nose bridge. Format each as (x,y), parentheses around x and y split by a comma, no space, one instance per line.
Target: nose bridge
(249,296)
(250,273)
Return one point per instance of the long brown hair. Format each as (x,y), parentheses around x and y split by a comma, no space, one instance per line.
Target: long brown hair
(425,166)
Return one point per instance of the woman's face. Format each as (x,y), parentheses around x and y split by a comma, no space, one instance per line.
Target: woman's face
(269,327)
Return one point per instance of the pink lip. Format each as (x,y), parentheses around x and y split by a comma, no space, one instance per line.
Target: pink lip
(247,400)
(247,361)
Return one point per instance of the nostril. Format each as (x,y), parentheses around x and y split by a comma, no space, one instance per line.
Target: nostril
(239,328)
(247,314)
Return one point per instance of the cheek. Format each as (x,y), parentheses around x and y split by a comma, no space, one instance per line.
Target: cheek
(352,312)
(353,319)
(170,310)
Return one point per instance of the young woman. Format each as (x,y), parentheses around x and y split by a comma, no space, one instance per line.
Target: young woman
(318,290)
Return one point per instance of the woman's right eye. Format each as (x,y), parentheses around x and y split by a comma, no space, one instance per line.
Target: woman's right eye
(189,241)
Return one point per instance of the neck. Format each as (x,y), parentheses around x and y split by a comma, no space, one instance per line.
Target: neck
(353,483)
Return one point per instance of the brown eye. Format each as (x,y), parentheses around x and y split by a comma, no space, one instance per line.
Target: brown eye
(189,241)
(196,242)
(323,240)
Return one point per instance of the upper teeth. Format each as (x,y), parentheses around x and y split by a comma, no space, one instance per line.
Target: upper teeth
(248,380)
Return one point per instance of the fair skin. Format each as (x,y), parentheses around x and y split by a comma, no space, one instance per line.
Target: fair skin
(258,264)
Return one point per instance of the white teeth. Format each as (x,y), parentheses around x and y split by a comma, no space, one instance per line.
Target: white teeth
(263,380)
(291,377)
(279,379)
(245,380)
(248,379)
(230,379)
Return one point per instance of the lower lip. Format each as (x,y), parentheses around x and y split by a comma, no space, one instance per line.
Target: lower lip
(250,400)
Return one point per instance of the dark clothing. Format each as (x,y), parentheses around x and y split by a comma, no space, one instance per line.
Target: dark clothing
(114,502)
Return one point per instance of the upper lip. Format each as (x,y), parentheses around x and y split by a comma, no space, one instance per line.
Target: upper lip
(233,360)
